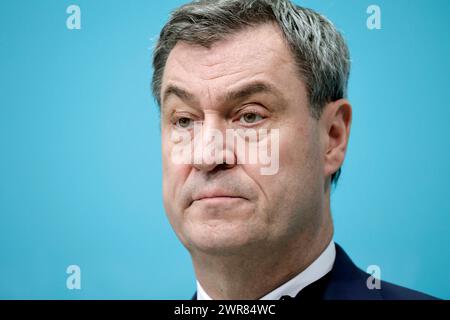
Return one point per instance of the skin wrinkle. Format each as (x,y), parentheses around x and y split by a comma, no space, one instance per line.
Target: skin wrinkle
(211,66)
(285,222)
(222,99)
(269,50)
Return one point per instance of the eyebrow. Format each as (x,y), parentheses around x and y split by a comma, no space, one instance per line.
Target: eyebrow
(173,90)
(239,94)
(249,90)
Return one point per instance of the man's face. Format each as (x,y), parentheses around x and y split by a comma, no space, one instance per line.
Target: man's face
(247,81)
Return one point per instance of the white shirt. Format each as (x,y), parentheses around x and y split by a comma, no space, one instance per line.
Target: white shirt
(316,270)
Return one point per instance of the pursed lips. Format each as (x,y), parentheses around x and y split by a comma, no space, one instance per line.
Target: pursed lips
(216,195)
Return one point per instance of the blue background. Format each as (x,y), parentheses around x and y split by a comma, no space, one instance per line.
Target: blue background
(80,165)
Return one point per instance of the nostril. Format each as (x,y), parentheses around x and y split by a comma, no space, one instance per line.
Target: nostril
(226,165)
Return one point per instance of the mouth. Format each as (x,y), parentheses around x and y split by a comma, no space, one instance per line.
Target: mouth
(216,197)
(218,201)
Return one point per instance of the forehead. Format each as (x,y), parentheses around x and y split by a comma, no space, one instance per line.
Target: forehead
(255,53)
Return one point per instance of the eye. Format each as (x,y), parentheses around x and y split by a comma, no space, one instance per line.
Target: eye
(184,123)
(250,118)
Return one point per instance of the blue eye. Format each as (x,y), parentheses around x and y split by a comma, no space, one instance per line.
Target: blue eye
(250,117)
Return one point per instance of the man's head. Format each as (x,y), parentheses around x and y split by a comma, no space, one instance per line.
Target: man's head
(256,64)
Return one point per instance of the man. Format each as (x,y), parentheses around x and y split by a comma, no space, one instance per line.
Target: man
(257,65)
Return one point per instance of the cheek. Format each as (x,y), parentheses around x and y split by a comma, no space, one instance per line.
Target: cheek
(174,175)
(293,149)
(297,159)
(299,165)
(302,170)
(299,148)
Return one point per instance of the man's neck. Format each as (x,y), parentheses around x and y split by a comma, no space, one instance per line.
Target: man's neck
(252,275)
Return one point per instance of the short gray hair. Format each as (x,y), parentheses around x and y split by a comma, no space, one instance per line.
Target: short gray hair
(319,50)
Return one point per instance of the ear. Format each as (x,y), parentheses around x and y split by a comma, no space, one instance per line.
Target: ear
(335,129)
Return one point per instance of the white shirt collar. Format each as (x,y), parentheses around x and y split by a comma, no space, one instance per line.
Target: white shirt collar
(316,270)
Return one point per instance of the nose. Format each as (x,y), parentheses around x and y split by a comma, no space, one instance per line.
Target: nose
(212,151)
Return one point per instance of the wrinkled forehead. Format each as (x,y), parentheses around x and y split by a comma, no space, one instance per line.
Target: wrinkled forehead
(255,52)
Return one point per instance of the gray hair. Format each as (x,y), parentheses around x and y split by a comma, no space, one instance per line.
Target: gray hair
(319,50)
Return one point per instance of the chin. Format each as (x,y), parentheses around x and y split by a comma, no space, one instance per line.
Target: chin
(220,239)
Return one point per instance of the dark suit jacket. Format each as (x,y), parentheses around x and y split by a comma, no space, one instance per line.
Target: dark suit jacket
(346,281)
